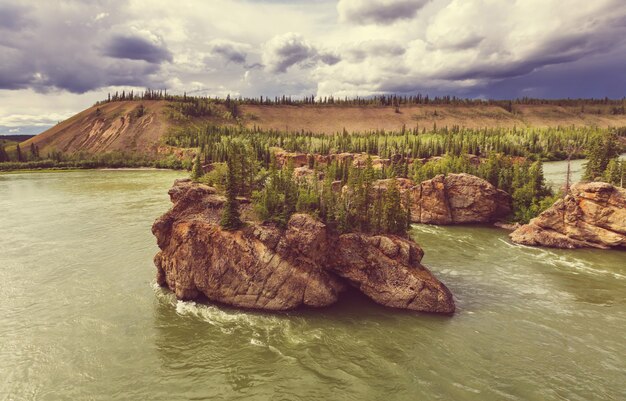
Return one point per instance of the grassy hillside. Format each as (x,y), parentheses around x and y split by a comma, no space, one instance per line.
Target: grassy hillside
(139,126)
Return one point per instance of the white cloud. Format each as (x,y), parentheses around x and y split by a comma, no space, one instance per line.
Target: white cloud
(100,16)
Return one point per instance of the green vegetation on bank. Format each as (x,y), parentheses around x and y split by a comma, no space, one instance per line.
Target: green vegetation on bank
(32,161)
(533,143)
(510,159)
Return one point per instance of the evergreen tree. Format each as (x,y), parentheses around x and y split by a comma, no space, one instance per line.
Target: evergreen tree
(196,171)
(230,215)
(33,151)
(394,214)
(18,151)
(290,190)
(4,157)
(615,172)
(602,150)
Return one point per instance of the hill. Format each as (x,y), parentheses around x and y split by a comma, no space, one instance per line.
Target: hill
(139,126)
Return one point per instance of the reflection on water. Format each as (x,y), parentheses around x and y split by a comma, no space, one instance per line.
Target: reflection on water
(81,317)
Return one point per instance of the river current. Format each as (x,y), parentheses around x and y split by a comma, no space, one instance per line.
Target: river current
(82,319)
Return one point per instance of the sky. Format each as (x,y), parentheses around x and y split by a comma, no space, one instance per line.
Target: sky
(59,57)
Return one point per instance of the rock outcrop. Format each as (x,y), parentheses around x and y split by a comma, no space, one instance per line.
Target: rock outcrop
(591,215)
(265,267)
(454,199)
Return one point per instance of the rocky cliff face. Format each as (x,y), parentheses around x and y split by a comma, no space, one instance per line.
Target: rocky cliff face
(592,215)
(454,199)
(264,267)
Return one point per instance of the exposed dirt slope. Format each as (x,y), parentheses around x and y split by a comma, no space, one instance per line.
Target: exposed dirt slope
(116,126)
(109,127)
(335,118)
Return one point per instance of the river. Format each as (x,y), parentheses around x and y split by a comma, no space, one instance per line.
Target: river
(556,172)
(82,319)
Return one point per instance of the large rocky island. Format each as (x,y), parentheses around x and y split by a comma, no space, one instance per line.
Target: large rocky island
(265,267)
(592,215)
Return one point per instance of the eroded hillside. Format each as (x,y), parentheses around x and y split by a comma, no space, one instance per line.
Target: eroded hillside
(139,126)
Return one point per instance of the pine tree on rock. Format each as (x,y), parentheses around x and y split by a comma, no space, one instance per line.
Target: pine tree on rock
(230,215)
(196,171)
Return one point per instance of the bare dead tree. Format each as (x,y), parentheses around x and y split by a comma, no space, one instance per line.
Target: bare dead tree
(572,149)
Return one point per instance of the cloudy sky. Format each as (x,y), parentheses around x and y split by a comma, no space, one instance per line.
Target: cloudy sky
(58,57)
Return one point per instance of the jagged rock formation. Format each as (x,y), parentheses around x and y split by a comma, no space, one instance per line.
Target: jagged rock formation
(591,215)
(264,267)
(454,199)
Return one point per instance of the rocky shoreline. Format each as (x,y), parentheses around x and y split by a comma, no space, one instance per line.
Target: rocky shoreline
(264,267)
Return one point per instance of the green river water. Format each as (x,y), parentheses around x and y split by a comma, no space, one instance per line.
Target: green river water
(81,317)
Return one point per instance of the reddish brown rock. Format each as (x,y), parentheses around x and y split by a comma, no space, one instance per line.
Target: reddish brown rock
(592,215)
(264,267)
(304,173)
(453,199)
(284,158)
(387,269)
(474,200)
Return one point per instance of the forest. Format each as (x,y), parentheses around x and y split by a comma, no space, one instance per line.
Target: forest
(616,106)
(545,144)
(243,163)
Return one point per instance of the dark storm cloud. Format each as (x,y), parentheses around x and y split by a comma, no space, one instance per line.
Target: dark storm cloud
(467,43)
(16,71)
(382,12)
(374,48)
(600,77)
(230,52)
(82,77)
(47,48)
(329,58)
(137,48)
(285,51)
(556,51)
(291,49)
(13,17)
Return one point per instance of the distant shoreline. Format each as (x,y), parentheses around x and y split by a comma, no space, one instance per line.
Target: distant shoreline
(73,169)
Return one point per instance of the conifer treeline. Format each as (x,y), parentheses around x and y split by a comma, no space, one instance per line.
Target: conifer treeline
(352,205)
(343,194)
(388,100)
(277,193)
(533,143)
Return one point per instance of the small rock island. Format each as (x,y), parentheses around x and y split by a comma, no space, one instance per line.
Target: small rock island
(591,215)
(262,266)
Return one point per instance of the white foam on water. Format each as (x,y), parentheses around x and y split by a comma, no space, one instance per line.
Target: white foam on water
(567,262)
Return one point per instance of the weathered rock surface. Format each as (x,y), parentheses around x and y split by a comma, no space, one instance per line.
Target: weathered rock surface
(591,215)
(264,267)
(454,199)
(387,269)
